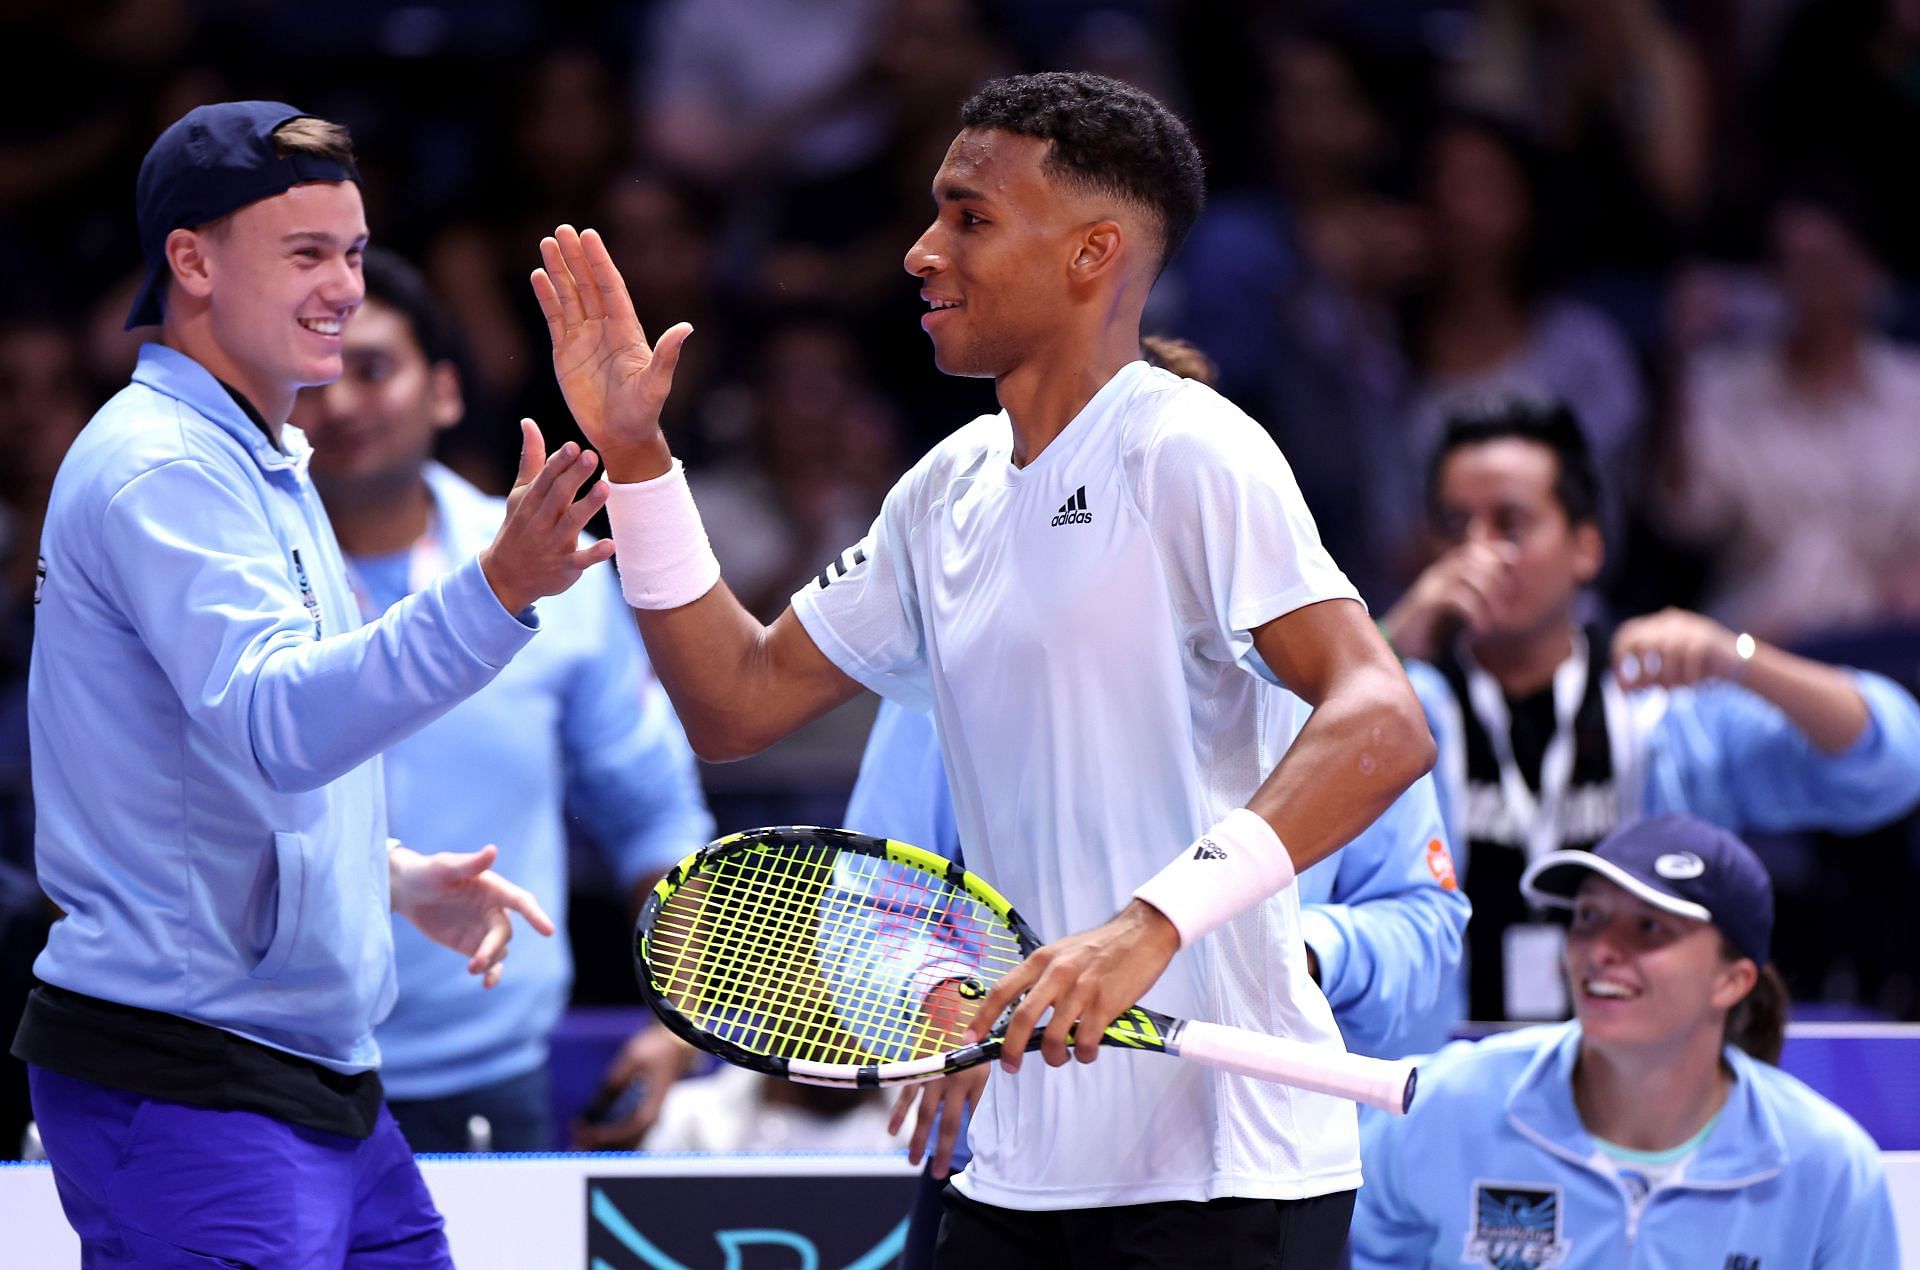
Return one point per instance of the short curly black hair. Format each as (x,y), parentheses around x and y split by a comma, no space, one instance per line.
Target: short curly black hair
(1546,421)
(1107,137)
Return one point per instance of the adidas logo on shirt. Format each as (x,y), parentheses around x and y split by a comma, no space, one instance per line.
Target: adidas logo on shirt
(1207,849)
(1074,510)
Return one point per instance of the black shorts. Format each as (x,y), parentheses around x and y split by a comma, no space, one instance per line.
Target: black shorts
(1221,1234)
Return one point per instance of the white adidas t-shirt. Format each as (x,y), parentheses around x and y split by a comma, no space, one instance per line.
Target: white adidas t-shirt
(1080,630)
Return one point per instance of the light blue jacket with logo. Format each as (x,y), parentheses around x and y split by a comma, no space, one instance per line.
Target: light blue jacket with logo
(206,713)
(1494,1168)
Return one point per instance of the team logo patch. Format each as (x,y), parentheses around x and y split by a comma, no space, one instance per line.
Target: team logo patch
(1515,1227)
(1678,866)
(1440,864)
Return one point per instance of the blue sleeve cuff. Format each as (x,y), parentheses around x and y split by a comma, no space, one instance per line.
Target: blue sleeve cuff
(482,623)
(1325,934)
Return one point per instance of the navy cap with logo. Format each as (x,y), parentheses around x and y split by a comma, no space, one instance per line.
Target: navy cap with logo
(1674,862)
(214,160)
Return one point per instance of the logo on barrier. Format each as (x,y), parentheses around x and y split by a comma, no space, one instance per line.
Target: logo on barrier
(800,1223)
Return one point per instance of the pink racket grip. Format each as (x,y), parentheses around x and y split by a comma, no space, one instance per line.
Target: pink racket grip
(1373,1081)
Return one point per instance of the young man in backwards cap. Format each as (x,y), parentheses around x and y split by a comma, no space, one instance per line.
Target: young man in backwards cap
(205,709)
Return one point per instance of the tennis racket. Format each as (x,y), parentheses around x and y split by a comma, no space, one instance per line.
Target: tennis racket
(833,958)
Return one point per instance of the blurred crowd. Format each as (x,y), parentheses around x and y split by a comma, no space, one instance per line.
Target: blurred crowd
(1683,218)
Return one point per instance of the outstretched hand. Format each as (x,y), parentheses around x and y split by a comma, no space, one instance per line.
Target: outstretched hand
(457,901)
(945,1102)
(536,551)
(1672,649)
(614,381)
(652,1059)
(1087,980)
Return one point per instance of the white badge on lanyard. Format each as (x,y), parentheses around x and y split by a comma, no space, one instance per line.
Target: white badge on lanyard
(1534,988)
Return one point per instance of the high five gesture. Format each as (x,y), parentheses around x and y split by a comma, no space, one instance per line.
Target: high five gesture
(614,381)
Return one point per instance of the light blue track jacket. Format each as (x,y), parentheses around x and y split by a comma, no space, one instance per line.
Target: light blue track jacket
(577,725)
(1725,754)
(1493,1168)
(1386,931)
(206,711)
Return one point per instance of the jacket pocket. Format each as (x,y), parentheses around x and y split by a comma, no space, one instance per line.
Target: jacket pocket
(290,859)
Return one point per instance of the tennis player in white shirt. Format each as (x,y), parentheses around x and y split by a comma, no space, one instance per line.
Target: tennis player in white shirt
(1113,601)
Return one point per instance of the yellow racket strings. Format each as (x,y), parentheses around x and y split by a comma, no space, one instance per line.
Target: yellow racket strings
(812,953)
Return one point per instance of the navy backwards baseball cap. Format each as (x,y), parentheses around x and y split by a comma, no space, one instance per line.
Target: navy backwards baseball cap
(1674,862)
(214,160)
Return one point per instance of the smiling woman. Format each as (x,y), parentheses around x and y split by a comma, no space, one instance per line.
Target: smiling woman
(1655,1117)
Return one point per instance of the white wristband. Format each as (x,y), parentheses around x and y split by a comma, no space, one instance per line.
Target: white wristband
(1229,869)
(660,547)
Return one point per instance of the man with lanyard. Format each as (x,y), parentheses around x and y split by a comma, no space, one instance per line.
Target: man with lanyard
(577,725)
(207,713)
(1105,592)
(1551,735)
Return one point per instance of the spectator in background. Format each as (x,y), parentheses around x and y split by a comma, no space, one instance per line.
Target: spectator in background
(1487,324)
(575,727)
(818,455)
(1291,285)
(561,139)
(734,1109)
(1842,93)
(732,91)
(1551,734)
(43,405)
(1798,458)
(1612,89)
(1655,1127)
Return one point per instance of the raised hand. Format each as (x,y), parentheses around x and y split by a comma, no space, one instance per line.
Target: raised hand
(1674,648)
(536,551)
(649,1063)
(614,381)
(457,901)
(1470,586)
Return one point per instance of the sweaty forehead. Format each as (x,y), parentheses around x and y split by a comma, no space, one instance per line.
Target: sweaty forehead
(992,163)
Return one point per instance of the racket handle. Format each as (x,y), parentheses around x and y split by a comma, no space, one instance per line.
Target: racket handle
(1374,1081)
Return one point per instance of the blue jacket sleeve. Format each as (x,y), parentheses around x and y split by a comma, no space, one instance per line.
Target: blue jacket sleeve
(1858,1226)
(631,776)
(1389,940)
(1727,754)
(214,605)
(1444,720)
(902,789)
(1390,1232)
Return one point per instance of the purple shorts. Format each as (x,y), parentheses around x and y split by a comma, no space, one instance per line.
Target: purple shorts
(159,1185)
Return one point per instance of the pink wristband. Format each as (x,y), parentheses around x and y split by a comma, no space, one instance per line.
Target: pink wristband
(660,547)
(1229,869)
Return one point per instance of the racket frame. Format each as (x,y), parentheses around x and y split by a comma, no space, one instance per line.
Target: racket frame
(838,1075)
(1137,1028)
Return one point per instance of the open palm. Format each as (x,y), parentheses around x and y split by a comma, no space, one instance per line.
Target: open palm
(614,382)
